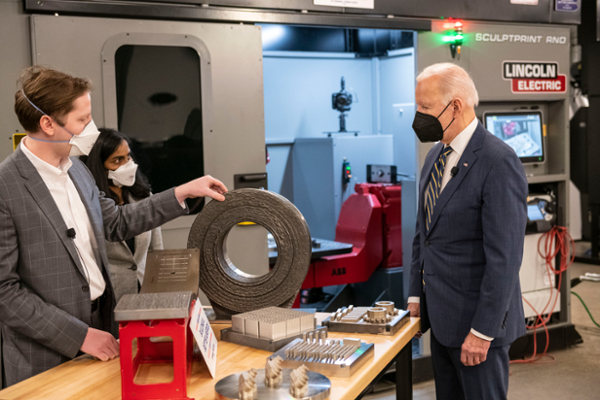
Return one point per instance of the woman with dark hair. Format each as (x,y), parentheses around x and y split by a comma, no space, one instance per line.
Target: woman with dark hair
(117,175)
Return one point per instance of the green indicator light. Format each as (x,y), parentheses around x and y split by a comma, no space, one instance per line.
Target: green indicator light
(458,37)
(448,39)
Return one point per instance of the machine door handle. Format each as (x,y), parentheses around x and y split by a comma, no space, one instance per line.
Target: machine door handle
(253,178)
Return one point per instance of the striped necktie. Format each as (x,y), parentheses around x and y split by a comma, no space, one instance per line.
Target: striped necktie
(435,185)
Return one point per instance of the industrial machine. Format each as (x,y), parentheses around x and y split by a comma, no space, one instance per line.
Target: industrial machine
(538,282)
(341,101)
(325,172)
(585,143)
(370,220)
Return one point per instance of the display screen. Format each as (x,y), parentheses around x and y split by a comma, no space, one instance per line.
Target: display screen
(534,213)
(520,130)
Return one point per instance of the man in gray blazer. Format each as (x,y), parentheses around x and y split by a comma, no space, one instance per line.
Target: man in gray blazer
(56,298)
(468,247)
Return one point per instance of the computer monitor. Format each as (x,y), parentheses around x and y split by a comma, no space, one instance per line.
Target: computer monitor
(521,130)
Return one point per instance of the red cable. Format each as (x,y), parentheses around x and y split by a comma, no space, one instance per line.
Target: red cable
(558,239)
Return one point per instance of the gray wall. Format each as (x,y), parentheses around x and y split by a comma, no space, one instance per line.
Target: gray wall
(15,51)
(298,88)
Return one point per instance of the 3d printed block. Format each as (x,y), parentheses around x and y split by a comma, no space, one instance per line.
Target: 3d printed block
(273,323)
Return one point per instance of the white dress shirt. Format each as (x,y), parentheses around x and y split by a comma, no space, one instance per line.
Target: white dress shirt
(74,214)
(458,144)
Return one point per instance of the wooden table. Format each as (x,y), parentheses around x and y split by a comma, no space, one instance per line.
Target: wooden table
(87,378)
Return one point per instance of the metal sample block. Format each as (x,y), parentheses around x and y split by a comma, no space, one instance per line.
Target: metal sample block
(299,381)
(251,327)
(330,357)
(228,335)
(292,326)
(272,329)
(172,271)
(318,388)
(147,306)
(307,322)
(290,231)
(238,324)
(247,385)
(271,324)
(273,375)
(383,319)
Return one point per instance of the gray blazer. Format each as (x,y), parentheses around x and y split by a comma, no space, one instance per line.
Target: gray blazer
(44,297)
(125,265)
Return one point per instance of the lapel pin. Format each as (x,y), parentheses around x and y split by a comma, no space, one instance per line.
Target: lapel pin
(466,165)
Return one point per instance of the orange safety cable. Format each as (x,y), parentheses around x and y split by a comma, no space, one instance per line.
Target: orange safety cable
(557,242)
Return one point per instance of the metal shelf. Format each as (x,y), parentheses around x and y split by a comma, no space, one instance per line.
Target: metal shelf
(546,178)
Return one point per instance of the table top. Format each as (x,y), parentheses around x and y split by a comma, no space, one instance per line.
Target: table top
(86,377)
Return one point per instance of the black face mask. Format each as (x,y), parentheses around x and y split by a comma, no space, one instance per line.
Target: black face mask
(428,128)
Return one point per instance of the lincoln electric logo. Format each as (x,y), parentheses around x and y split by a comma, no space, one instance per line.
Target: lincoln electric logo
(534,77)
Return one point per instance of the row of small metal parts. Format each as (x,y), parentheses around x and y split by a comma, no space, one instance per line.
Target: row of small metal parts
(325,351)
(382,313)
(347,314)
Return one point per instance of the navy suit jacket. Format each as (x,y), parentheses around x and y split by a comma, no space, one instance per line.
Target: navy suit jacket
(472,254)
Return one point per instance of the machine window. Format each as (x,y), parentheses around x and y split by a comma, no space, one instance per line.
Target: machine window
(159,106)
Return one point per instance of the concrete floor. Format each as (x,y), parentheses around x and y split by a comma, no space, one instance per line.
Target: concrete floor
(575,372)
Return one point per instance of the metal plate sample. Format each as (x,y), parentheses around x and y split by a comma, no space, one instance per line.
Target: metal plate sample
(319,387)
(387,329)
(231,292)
(273,323)
(343,368)
(147,306)
(172,271)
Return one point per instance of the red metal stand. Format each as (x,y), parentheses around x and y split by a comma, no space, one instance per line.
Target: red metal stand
(179,352)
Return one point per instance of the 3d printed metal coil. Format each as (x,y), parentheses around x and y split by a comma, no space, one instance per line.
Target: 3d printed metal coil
(231,292)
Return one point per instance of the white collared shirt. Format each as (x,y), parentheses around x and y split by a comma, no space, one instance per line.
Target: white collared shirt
(458,144)
(74,214)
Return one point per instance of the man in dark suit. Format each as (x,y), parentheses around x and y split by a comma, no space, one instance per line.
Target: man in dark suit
(56,298)
(468,246)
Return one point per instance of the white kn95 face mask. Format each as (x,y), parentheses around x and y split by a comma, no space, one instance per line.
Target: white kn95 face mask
(124,175)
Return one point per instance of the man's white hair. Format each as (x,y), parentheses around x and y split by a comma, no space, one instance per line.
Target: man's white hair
(454,83)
